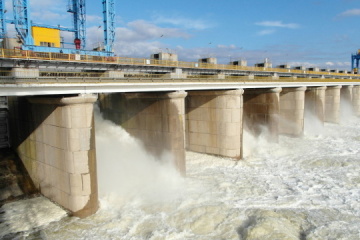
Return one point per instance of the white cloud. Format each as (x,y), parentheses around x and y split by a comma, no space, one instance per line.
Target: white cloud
(186,23)
(231,46)
(137,39)
(279,24)
(142,30)
(349,13)
(266,32)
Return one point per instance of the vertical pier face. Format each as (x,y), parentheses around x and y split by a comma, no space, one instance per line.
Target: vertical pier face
(315,102)
(262,108)
(157,119)
(54,137)
(332,104)
(356,100)
(214,122)
(292,105)
(346,103)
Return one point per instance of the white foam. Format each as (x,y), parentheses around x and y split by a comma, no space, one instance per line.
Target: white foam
(300,188)
(25,215)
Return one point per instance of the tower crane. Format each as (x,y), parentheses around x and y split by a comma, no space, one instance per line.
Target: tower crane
(355,58)
(27,30)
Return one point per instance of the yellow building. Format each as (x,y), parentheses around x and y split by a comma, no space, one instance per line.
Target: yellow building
(46,37)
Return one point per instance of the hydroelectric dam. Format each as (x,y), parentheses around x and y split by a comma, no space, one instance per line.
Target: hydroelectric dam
(171,106)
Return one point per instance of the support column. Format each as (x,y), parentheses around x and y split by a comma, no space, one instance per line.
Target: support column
(315,102)
(292,105)
(347,93)
(214,122)
(356,100)
(332,104)
(262,108)
(54,137)
(157,119)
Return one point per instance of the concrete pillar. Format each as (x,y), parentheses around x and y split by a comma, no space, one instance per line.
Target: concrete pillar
(292,105)
(157,119)
(214,122)
(332,104)
(356,100)
(347,93)
(262,108)
(54,137)
(315,102)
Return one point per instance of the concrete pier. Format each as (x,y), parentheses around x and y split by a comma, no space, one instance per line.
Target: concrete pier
(315,102)
(332,104)
(157,119)
(261,109)
(356,100)
(214,122)
(347,93)
(54,137)
(292,104)
(346,101)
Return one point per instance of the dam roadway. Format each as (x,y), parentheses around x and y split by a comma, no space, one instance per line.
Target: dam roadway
(169,106)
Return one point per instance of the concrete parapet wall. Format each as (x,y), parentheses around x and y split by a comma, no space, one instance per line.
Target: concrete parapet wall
(114,74)
(157,119)
(214,122)
(261,109)
(315,102)
(292,106)
(25,72)
(356,100)
(332,104)
(54,137)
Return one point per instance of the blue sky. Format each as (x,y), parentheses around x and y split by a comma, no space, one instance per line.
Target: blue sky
(320,33)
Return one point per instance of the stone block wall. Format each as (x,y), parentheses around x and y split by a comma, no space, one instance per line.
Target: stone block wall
(292,106)
(356,100)
(214,122)
(332,104)
(54,137)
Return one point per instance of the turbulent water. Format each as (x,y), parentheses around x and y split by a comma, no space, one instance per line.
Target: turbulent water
(299,188)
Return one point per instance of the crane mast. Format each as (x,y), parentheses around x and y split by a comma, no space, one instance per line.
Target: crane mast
(2,20)
(27,31)
(109,24)
(77,8)
(22,21)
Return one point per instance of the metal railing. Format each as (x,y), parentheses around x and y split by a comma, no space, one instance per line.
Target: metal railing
(103,77)
(24,54)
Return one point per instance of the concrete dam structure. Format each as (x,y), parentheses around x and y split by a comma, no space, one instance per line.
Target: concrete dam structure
(53,131)
(55,136)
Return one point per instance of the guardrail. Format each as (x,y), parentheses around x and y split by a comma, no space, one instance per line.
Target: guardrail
(24,54)
(150,79)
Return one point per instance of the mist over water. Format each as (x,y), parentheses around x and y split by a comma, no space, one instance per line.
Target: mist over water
(127,171)
(299,188)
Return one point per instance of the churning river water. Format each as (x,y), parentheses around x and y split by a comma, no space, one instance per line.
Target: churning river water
(299,188)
